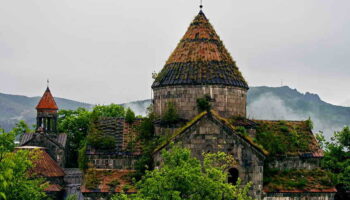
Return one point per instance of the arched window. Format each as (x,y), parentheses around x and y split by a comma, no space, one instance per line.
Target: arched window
(209,149)
(233,176)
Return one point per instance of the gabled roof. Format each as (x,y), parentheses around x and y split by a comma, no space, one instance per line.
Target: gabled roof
(200,59)
(43,165)
(60,141)
(223,121)
(47,101)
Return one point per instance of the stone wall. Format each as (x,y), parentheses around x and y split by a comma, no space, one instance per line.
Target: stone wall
(228,101)
(112,161)
(299,196)
(295,163)
(207,135)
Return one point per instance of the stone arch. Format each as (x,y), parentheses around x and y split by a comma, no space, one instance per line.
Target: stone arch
(209,149)
(233,175)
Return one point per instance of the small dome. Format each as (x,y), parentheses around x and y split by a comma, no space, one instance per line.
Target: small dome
(200,59)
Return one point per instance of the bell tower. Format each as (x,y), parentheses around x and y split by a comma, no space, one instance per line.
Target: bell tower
(46,120)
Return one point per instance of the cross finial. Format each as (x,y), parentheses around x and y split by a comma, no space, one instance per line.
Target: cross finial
(201,5)
(48,82)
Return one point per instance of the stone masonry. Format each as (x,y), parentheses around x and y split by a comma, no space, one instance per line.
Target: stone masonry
(228,101)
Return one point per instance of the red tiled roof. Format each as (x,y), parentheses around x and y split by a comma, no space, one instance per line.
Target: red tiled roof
(44,165)
(106,177)
(47,101)
(53,188)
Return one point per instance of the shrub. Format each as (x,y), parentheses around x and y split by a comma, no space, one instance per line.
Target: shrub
(203,104)
(98,140)
(113,184)
(82,160)
(130,116)
(170,116)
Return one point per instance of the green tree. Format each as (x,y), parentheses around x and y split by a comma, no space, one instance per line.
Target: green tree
(75,123)
(184,177)
(130,116)
(112,110)
(15,182)
(336,158)
(20,128)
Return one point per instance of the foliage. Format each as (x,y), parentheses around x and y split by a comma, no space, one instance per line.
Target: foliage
(20,128)
(82,159)
(241,130)
(336,158)
(75,123)
(203,104)
(289,179)
(130,116)
(183,177)
(170,116)
(98,140)
(72,197)
(309,123)
(148,143)
(284,138)
(92,181)
(15,182)
(112,110)
(113,184)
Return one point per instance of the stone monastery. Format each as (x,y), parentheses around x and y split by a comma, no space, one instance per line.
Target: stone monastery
(199,68)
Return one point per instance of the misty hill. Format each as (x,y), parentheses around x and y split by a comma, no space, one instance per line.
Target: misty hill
(280,103)
(16,107)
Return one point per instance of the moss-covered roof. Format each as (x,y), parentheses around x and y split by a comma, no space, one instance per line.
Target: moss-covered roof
(287,138)
(200,59)
(298,180)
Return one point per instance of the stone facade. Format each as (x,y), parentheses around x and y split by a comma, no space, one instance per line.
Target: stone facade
(109,161)
(228,101)
(210,135)
(300,196)
(295,162)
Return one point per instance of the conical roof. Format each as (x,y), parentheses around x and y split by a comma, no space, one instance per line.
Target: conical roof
(47,101)
(200,59)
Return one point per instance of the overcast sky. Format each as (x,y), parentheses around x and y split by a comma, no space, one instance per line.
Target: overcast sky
(104,51)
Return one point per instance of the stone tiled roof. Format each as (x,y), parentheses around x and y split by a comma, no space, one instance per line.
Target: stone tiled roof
(105,177)
(200,59)
(47,101)
(61,138)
